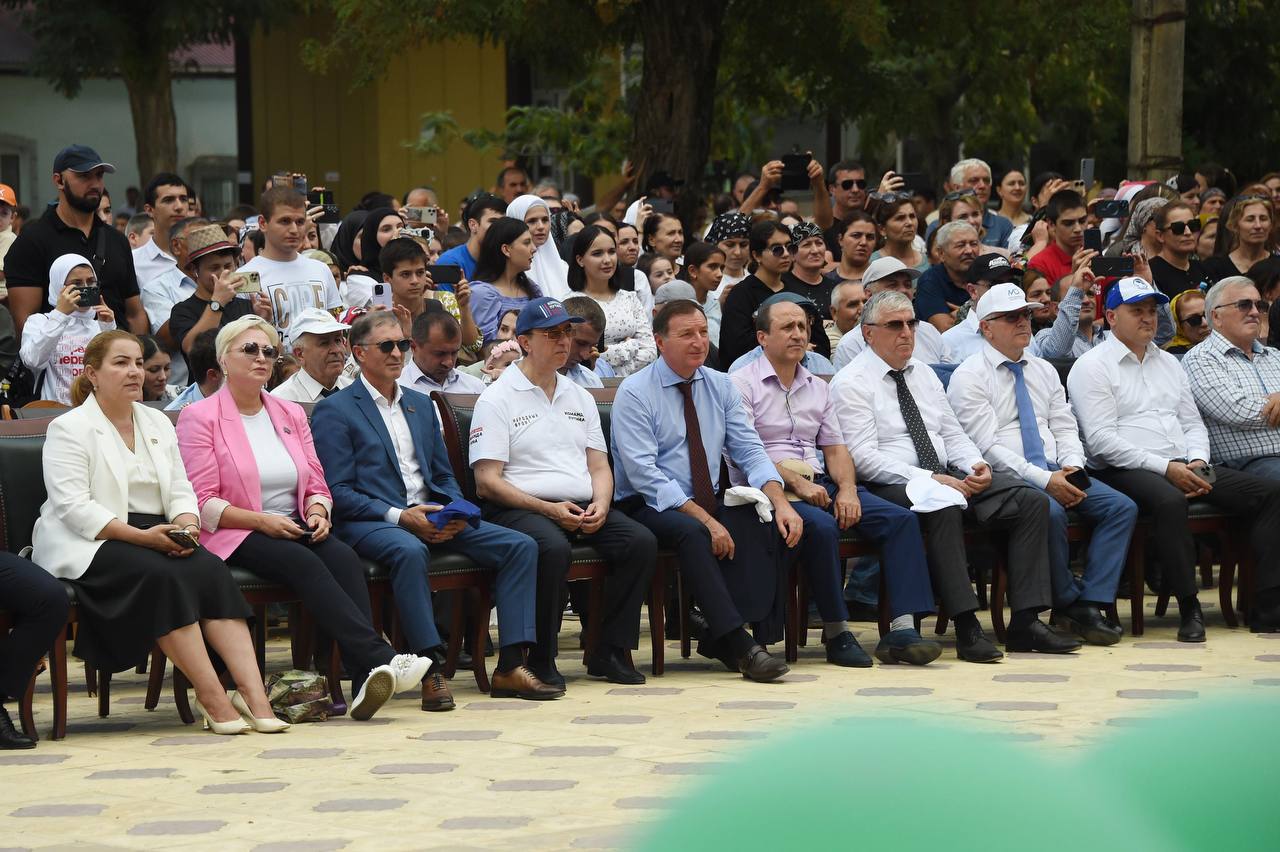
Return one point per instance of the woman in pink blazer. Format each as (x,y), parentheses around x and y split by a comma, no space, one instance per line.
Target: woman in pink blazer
(265,506)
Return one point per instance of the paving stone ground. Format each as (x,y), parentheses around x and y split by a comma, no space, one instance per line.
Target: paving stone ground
(586,772)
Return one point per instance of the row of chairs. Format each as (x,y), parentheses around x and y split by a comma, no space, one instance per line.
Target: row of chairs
(22,493)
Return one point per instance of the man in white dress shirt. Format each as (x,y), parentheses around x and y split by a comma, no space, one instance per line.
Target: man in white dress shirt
(909,448)
(1013,407)
(437,339)
(965,338)
(319,342)
(890,274)
(1144,437)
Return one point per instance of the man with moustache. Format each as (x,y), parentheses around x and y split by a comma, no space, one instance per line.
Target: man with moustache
(319,342)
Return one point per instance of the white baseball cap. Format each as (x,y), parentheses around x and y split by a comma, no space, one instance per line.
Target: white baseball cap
(1001,299)
(882,267)
(313,321)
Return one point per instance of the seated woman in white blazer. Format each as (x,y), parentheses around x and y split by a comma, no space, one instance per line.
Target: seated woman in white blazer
(117,490)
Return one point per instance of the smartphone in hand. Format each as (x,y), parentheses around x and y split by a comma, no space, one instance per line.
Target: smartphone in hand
(183,538)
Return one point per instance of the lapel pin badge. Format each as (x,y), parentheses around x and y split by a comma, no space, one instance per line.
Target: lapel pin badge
(409,408)
(155,441)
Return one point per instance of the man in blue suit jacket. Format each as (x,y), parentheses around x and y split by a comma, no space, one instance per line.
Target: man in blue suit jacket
(387,467)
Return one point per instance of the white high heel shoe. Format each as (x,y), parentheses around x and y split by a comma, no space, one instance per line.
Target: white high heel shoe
(235,726)
(262,726)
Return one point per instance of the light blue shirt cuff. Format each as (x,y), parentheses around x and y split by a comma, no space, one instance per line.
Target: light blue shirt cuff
(670,496)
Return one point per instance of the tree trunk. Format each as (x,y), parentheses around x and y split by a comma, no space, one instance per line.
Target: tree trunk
(154,125)
(1155,88)
(681,41)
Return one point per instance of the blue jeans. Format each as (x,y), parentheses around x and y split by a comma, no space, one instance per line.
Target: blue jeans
(1266,467)
(512,556)
(893,527)
(1112,516)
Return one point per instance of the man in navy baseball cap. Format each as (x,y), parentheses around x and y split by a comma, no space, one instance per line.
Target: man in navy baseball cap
(80,158)
(543,312)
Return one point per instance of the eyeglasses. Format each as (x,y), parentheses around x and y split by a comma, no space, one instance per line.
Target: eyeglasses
(1195,320)
(1180,228)
(860,183)
(386,346)
(1016,316)
(556,333)
(779,249)
(1246,305)
(252,350)
(891,197)
(960,193)
(896,326)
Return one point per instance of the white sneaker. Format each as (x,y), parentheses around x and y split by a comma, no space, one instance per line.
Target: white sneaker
(377,688)
(409,670)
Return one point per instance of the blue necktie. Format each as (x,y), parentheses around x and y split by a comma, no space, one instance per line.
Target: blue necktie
(1032,443)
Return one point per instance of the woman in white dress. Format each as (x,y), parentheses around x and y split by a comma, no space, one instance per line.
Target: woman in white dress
(628,336)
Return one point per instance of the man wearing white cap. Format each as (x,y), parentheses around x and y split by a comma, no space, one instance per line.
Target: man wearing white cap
(909,448)
(1144,436)
(889,273)
(1013,408)
(965,338)
(319,342)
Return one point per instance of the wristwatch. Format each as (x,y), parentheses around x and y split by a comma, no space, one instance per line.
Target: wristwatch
(214,306)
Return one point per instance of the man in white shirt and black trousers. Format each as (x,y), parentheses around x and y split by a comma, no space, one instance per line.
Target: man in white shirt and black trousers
(1013,407)
(910,449)
(542,467)
(1144,437)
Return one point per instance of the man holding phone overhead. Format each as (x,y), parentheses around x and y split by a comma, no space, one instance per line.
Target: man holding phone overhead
(1013,407)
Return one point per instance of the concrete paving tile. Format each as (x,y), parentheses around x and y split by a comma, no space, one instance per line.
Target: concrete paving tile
(79,809)
(460,736)
(177,826)
(525,785)
(245,788)
(359,805)
(413,768)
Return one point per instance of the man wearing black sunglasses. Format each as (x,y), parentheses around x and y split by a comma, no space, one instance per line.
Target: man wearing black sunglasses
(1176,269)
(387,467)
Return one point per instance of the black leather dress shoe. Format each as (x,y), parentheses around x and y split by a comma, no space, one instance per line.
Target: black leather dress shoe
(1264,621)
(11,737)
(1192,627)
(1038,636)
(548,674)
(844,650)
(973,646)
(761,666)
(613,667)
(1086,622)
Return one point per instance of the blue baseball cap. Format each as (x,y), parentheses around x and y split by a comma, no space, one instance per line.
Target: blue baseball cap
(1126,291)
(543,312)
(79,158)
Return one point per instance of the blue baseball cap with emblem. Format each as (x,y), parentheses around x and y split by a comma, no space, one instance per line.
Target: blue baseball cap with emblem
(80,158)
(543,312)
(1126,291)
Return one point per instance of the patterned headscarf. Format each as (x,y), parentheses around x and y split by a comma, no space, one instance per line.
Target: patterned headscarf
(729,225)
(804,231)
(1142,214)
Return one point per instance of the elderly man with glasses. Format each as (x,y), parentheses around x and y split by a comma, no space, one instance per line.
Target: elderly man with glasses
(911,450)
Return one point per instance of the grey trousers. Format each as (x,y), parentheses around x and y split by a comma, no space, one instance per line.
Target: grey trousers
(1008,505)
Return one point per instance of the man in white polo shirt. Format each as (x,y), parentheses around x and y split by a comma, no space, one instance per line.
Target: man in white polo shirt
(319,342)
(437,339)
(542,468)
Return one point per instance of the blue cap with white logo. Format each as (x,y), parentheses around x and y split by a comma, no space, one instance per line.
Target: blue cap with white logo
(1126,291)
(543,312)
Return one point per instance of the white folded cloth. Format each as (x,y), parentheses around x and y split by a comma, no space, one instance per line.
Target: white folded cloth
(741,495)
(929,495)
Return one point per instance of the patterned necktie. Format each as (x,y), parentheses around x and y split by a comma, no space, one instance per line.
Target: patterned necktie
(704,494)
(927,455)
(1032,443)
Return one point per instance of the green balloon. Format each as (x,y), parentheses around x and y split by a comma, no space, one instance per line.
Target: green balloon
(903,784)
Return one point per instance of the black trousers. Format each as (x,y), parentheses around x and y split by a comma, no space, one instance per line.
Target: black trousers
(1008,504)
(331,582)
(1234,492)
(37,602)
(730,593)
(629,548)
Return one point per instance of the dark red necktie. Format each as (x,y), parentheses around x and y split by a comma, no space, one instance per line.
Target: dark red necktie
(704,494)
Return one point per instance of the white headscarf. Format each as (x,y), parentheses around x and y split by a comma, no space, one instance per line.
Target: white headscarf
(58,273)
(549,271)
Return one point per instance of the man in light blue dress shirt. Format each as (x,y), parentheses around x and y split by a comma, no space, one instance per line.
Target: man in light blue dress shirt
(671,422)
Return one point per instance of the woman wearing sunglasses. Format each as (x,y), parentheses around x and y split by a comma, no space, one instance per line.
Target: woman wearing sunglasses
(264,504)
(1176,268)
(1188,311)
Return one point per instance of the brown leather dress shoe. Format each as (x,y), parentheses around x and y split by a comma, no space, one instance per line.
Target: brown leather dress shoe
(522,683)
(436,696)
